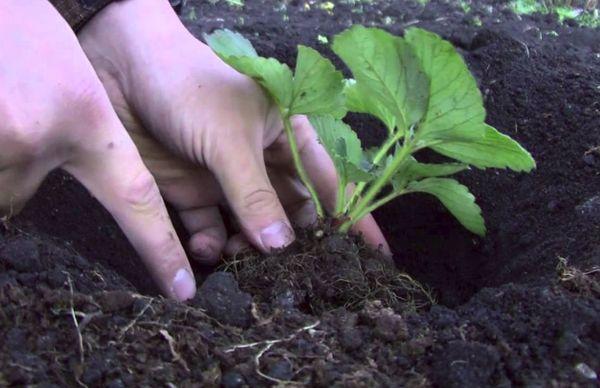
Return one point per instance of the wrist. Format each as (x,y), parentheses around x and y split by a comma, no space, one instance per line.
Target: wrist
(140,18)
(131,33)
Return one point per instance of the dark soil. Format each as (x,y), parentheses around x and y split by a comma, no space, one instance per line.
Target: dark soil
(514,334)
(317,313)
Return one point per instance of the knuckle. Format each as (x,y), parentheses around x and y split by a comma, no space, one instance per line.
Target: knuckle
(89,99)
(26,143)
(259,201)
(142,192)
(167,248)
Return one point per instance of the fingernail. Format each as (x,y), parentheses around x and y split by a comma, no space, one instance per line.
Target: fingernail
(276,235)
(184,285)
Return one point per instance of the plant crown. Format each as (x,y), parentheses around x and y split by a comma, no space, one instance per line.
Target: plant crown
(418,86)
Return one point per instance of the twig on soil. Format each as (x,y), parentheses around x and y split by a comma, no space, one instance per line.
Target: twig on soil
(176,356)
(77,371)
(525,46)
(75,321)
(411,23)
(6,218)
(567,273)
(273,341)
(134,320)
(24,367)
(268,345)
(87,318)
(266,376)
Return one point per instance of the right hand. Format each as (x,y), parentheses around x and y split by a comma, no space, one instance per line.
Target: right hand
(54,113)
(209,135)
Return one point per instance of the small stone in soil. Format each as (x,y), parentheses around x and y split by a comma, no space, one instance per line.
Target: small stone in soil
(589,159)
(587,372)
(281,370)
(232,379)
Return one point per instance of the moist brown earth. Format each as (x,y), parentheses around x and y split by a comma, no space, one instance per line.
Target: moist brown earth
(77,308)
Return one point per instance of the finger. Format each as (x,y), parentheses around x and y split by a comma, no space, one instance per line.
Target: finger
(193,191)
(367,226)
(207,233)
(294,197)
(195,194)
(240,169)
(236,244)
(111,168)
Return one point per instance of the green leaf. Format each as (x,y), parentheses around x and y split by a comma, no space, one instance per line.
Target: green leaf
(237,52)
(318,86)
(456,198)
(227,43)
(331,131)
(455,108)
(387,73)
(343,146)
(274,77)
(492,150)
(357,101)
(415,170)
(352,172)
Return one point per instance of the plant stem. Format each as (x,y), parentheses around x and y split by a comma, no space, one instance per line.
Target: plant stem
(289,131)
(380,202)
(382,153)
(376,187)
(341,197)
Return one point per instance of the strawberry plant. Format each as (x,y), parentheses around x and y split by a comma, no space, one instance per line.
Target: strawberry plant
(418,86)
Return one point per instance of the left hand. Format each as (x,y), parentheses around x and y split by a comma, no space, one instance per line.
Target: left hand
(206,132)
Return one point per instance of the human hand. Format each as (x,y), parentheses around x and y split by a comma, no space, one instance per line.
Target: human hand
(206,132)
(54,113)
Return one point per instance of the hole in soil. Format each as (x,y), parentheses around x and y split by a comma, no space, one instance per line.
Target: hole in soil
(435,249)
(428,243)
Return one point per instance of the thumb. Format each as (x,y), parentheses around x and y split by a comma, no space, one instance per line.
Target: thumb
(240,169)
(113,171)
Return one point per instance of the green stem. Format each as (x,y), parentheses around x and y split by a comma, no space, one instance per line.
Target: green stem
(289,131)
(341,196)
(380,202)
(382,153)
(376,187)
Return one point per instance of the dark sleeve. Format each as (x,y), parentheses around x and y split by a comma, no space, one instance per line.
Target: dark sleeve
(78,12)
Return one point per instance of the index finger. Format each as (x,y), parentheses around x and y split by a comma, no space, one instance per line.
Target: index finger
(111,168)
